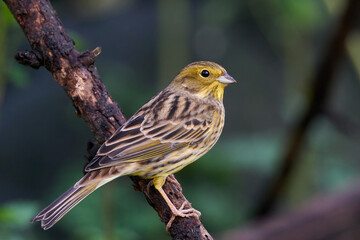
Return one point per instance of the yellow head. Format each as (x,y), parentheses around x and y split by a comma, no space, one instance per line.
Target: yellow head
(204,79)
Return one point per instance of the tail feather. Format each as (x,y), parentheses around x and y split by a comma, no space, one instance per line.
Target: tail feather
(63,204)
(57,209)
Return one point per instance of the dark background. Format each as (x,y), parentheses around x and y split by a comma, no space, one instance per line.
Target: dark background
(272,49)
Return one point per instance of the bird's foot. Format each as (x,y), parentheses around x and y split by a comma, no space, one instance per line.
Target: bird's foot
(171,178)
(184,213)
(149,185)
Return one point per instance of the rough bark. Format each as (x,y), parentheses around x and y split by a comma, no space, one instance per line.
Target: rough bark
(76,73)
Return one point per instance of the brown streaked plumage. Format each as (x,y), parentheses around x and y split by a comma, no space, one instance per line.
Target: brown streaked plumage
(172,130)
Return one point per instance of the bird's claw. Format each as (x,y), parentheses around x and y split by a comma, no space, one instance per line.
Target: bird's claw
(184,213)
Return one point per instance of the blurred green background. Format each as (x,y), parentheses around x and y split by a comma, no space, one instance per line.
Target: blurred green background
(271,48)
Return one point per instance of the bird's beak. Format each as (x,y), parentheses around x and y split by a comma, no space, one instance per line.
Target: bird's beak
(226,78)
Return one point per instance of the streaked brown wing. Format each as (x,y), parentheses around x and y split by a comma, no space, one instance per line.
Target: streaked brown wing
(144,137)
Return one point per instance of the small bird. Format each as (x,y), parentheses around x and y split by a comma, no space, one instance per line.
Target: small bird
(172,130)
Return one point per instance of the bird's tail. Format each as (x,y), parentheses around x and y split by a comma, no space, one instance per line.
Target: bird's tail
(63,204)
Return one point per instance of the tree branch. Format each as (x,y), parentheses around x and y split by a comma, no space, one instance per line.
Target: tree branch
(77,74)
(334,217)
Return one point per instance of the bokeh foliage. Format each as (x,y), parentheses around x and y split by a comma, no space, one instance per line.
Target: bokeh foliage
(271,47)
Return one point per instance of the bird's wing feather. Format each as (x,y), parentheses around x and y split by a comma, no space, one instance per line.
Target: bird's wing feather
(163,125)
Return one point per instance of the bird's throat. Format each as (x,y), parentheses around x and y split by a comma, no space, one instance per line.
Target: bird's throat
(215,91)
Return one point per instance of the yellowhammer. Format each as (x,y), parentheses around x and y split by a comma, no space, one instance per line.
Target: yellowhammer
(172,130)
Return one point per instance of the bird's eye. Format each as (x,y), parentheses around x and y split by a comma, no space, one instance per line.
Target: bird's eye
(205,73)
